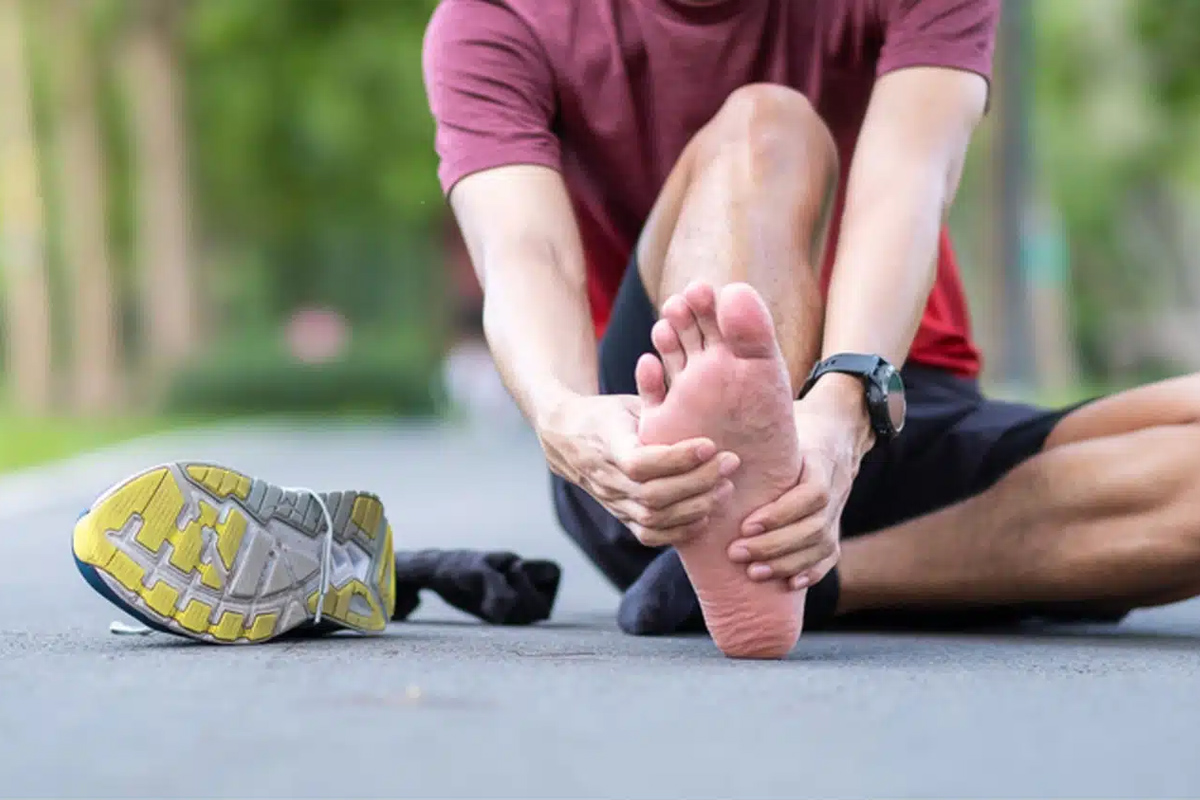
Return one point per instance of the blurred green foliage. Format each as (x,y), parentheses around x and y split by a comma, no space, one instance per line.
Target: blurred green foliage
(313,152)
(1116,120)
(386,375)
(315,176)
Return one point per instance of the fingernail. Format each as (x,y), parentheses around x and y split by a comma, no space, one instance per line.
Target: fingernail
(739,554)
(800,582)
(759,572)
(729,464)
(753,529)
(724,491)
(706,451)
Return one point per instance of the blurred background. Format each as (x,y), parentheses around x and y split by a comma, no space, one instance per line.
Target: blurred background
(216,208)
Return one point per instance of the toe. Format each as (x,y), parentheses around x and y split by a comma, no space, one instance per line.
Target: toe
(677,312)
(666,342)
(746,322)
(702,299)
(651,384)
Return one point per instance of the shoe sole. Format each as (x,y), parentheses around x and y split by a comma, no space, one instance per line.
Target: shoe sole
(205,552)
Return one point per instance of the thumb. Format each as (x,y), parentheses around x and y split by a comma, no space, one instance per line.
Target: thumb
(622,431)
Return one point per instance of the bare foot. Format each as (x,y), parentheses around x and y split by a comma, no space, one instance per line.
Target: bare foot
(728,381)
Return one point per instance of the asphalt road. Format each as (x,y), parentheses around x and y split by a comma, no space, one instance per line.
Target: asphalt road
(445,707)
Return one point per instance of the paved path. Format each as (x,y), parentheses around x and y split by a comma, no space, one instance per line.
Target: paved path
(448,708)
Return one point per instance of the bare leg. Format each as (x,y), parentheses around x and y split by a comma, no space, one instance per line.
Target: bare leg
(1108,513)
(732,385)
(749,202)
(744,212)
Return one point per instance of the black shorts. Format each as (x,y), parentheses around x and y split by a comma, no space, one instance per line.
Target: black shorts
(955,444)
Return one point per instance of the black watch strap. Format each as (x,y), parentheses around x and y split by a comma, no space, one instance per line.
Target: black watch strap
(874,372)
(858,364)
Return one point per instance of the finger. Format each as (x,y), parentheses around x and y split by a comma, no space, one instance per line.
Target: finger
(702,299)
(644,463)
(666,342)
(780,542)
(793,564)
(651,383)
(632,512)
(669,537)
(660,493)
(806,499)
(815,575)
(686,511)
(677,312)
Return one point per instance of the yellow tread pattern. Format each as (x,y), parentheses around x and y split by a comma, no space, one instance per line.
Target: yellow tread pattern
(366,514)
(162,597)
(155,503)
(229,536)
(128,572)
(263,627)
(337,606)
(386,577)
(195,616)
(221,482)
(230,626)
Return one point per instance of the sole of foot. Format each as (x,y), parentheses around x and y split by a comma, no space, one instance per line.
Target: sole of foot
(202,551)
(722,375)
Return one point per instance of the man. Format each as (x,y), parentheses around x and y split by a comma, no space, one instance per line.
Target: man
(614,161)
(744,200)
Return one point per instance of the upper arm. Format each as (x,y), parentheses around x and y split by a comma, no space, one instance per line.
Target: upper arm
(491,92)
(952,34)
(932,88)
(518,216)
(923,115)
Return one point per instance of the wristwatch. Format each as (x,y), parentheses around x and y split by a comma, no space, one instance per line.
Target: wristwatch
(886,405)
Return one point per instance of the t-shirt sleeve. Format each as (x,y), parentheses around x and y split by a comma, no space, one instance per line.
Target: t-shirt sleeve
(960,34)
(490,89)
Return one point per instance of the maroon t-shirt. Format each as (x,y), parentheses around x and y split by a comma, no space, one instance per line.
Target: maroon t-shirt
(610,91)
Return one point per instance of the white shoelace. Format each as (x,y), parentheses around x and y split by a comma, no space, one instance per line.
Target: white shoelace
(326,551)
(125,629)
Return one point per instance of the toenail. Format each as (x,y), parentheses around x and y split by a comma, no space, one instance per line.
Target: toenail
(739,554)
(759,572)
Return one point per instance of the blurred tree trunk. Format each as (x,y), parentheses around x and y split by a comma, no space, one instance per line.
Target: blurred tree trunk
(152,67)
(95,356)
(22,243)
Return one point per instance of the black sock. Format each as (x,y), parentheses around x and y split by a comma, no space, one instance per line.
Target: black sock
(662,601)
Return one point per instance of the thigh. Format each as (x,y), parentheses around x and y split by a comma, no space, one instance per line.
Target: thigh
(956,444)
(1170,402)
(602,537)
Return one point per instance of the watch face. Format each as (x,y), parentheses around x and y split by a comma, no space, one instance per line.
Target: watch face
(897,405)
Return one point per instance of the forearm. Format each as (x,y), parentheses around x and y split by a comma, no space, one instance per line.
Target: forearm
(881,280)
(903,179)
(887,261)
(539,329)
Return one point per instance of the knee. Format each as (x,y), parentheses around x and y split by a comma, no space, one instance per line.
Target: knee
(776,130)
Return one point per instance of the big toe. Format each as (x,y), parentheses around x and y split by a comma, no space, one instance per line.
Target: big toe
(746,322)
